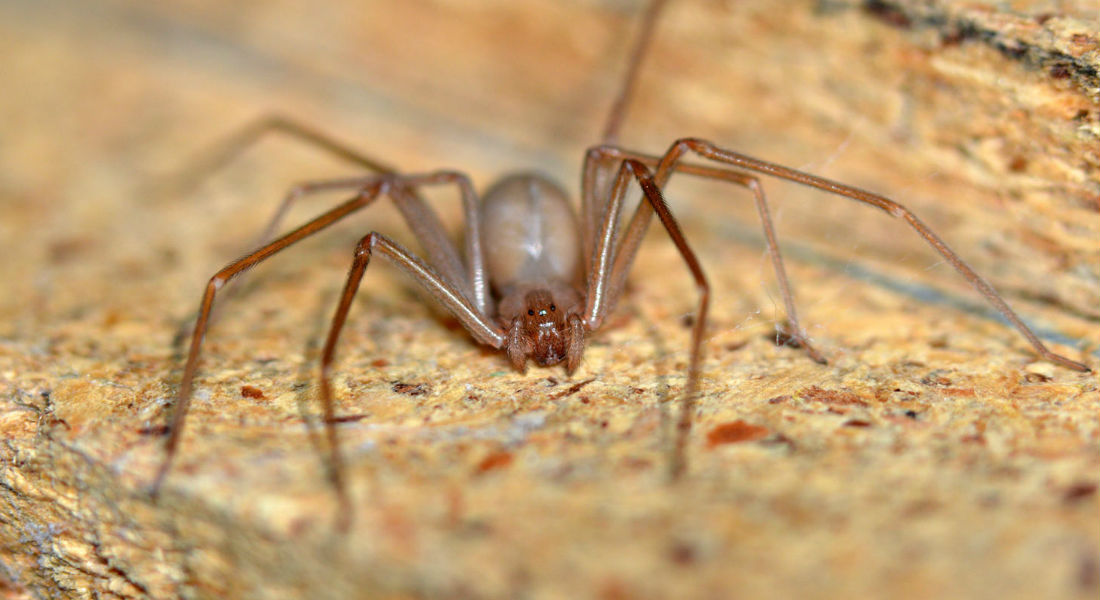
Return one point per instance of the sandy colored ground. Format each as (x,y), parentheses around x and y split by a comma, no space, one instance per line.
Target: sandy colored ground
(934,456)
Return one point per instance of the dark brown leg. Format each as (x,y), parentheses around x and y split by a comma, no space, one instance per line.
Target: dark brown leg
(425,225)
(708,150)
(671,159)
(400,188)
(598,159)
(229,148)
(297,192)
(183,397)
(419,217)
(302,190)
(601,271)
(451,298)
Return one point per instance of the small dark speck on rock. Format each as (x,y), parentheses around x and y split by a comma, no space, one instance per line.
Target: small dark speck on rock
(1060,71)
(253,392)
(1079,491)
(411,389)
(734,346)
(494,461)
(682,554)
(935,378)
(735,432)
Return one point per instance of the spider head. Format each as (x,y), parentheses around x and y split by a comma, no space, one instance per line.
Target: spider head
(543,325)
(546,329)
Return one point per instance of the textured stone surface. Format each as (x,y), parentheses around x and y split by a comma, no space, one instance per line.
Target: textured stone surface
(934,456)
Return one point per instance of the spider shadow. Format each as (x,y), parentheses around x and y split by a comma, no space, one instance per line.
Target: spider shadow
(319,321)
(661,355)
(308,367)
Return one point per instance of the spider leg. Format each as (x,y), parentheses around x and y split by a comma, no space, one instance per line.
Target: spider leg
(710,151)
(453,299)
(227,273)
(599,301)
(600,155)
(296,192)
(429,231)
(399,188)
(229,148)
(425,226)
(226,150)
(436,242)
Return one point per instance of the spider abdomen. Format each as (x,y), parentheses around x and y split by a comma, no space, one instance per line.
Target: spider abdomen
(530,233)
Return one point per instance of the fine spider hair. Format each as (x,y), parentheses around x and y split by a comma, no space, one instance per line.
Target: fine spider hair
(536,280)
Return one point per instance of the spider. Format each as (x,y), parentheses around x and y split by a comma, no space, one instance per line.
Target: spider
(537,279)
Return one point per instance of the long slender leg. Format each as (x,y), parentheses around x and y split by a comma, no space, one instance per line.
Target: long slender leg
(297,192)
(626,90)
(601,249)
(398,187)
(753,184)
(227,149)
(231,147)
(597,302)
(423,221)
(710,151)
(478,324)
(183,397)
(305,189)
(597,159)
(430,233)
(596,192)
(425,225)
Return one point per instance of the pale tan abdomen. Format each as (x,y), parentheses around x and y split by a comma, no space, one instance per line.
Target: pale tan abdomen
(530,233)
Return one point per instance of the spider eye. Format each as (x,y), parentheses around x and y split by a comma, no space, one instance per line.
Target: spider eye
(552,307)
(531,312)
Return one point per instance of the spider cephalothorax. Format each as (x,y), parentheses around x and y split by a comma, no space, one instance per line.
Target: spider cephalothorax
(543,326)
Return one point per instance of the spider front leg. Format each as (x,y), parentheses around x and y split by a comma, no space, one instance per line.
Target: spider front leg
(297,192)
(452,298)
(671,161)
(601,155)
(423,222)
(602,295)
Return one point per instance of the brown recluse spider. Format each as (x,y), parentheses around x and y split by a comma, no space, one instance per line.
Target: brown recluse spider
(535,282)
